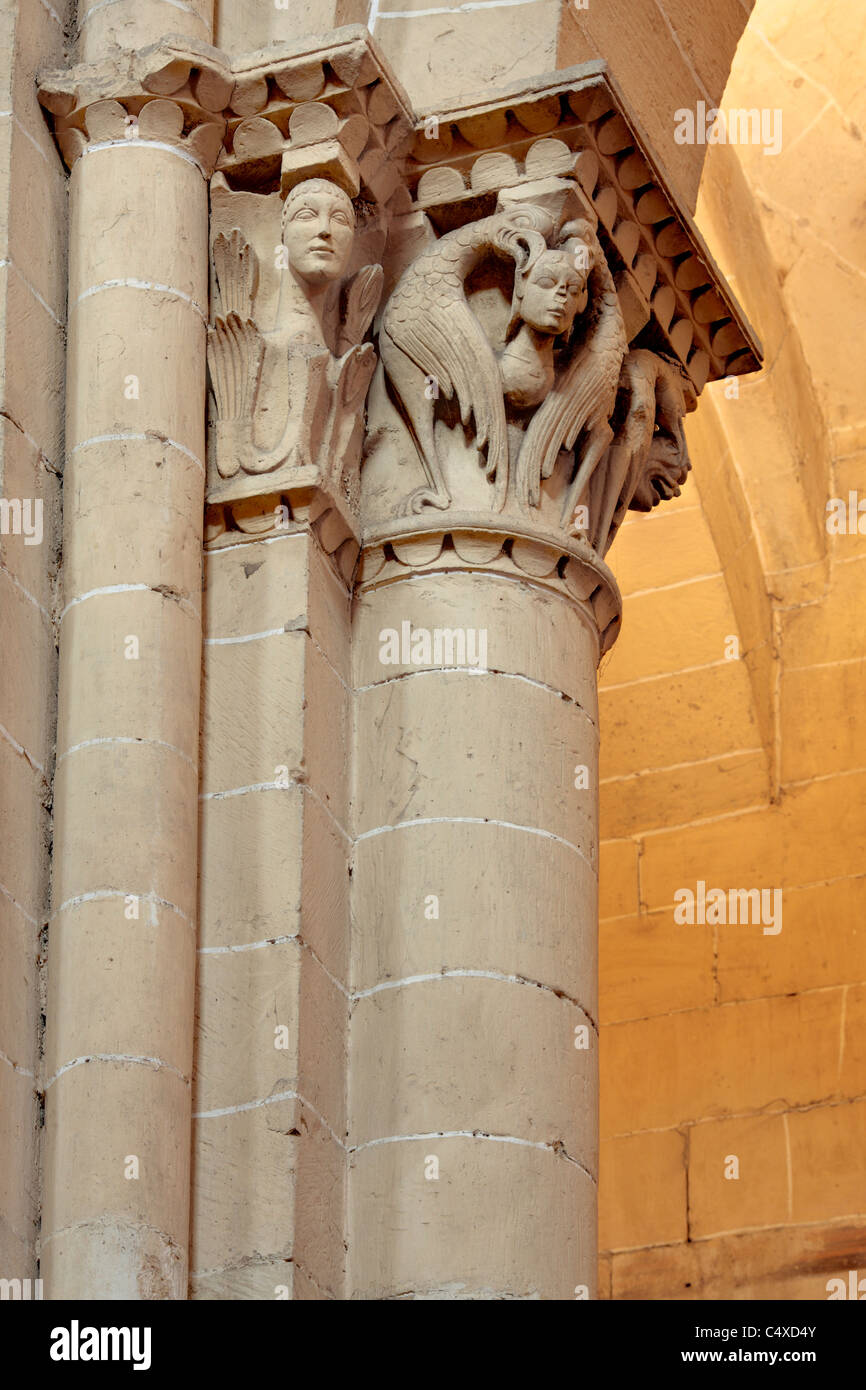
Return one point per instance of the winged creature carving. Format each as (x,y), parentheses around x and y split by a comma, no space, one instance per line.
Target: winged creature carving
(556,375)
(324,321)
(430,337)
(648,461)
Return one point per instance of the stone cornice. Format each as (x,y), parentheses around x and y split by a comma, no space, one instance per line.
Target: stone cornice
(566,142)
(662,264)
(236,115)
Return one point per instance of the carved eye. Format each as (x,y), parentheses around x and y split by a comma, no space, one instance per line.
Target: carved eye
(303,214)
(342,218)
(546,282)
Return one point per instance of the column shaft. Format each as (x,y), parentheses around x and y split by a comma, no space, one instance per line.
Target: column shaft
(269,1151)
(472,1037)
(122,944)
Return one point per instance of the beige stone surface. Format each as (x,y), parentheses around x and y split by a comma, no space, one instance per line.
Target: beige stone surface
(446,55)
(469,1234)
(740,773)
(24,832)
(33,390)
(299,724)
(119,334)
(36,193)
(826,1152)
(671,545)
(260,1280)
(25,473)
(674,648)
(124,1096)
(822,936)
(246,25)
(123,1260)
(242,998)
(252,1152)
(19,1192)
(32,309)
(125,792)
(130,25)
(319,1248)
(701,789)
(479,874)
(153,699)
(257,829)
(29,660)
(287,586)
(693,714)
(457,1050)
(95,948)
(117,494)
(19,941)
(793,844)
(619,881)
(538,637)
(116,236)
(530,784)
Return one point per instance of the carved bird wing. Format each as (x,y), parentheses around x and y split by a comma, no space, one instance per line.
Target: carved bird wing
(362,301)
(235,351)
(584,394)
(434,326)
(236,266)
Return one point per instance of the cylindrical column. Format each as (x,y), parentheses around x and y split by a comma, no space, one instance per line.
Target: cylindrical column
(134,24)
(473,1044)
(122,939)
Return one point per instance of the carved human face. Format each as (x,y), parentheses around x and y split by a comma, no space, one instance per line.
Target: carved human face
(318,231)
(554,293)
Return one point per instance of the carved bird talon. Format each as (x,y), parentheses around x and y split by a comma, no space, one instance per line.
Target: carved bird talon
(424,497)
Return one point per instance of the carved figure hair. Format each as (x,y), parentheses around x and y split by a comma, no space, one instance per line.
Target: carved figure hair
(574,237)
(314,186)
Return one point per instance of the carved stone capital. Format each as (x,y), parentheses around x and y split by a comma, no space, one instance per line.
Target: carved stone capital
(549,312)
(128,100)
(568,567)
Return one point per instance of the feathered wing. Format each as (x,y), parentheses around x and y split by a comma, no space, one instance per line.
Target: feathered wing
(235,349)
(446,342)
(362,301)
(236,266)
(584,394)
(235,352)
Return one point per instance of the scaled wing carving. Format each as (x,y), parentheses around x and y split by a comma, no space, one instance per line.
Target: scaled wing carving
(432,345)
(582,398)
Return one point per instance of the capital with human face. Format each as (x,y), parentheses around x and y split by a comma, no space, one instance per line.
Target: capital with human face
(318,231)
(553,293)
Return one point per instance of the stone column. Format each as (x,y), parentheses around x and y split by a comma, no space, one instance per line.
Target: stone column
(122,939)
(289,369)
(509,431)
(474,1056)
(269,1091)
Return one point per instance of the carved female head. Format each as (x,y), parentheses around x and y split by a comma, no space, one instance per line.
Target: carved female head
(318,228)
(550,290)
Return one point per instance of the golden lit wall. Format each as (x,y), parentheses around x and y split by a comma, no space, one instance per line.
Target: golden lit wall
(734,743)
